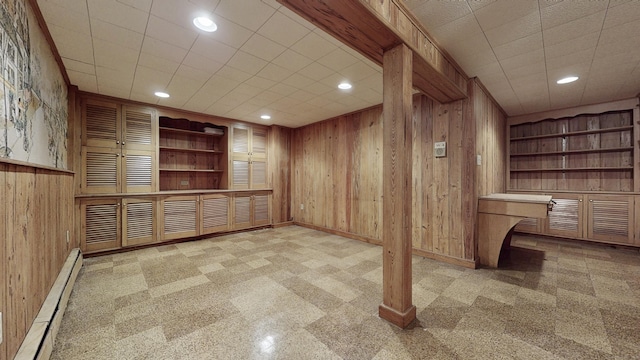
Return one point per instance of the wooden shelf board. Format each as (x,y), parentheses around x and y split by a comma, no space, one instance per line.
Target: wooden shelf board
(170,148)
(190,132)
(192,170)
(569,152)
(574,133)
(620,168)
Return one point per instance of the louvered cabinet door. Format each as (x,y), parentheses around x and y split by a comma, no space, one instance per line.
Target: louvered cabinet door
(100,225)
(100,170)
(101,126)
(566,217)
(258,145)
(139,128)
(214,210)
(258,171)
(240,172)
(179,217)
(139,173)
(241,211)
(610,218)
(139,220)
(240,142)
(261,210)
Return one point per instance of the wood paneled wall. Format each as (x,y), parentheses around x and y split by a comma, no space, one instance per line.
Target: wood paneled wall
(280,173)
(36,213)
(337,172)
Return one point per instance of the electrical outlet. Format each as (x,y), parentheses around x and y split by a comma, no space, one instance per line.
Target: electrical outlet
(479,160)
(184,183)
(67,236)
(440,149)
(301,206)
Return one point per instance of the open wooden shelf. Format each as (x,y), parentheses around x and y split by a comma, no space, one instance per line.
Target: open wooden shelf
(574,133)
(617,168)
(569,152)
(173,148)
(190,132)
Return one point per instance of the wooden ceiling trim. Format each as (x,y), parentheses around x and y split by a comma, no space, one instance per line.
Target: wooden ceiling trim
(374,26)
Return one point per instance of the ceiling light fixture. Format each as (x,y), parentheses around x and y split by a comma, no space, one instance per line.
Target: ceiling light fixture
(344,86)
(161,94)
(265,117)
(205,24)
(568,79)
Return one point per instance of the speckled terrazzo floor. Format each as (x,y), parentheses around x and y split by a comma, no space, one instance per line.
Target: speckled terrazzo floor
(295,293)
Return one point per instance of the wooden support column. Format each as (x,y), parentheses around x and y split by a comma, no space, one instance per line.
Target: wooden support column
(397,306)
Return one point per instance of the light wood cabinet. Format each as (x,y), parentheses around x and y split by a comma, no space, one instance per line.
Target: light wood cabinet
(249,160)
(250,210)
(118,148)
(214,209)
(112,223)
(190,157)
(180,217)
(596,217)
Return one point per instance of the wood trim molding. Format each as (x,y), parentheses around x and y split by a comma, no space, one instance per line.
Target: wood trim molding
(345,234)
(47,35)
(627,104)
(35,166)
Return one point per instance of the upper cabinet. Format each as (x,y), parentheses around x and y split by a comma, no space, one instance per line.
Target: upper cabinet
(118,148)
(249,160)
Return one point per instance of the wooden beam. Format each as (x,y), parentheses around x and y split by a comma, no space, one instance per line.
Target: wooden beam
(397,163)
(373,26)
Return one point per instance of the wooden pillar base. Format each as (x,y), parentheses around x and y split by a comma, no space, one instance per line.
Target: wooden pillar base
(401,320)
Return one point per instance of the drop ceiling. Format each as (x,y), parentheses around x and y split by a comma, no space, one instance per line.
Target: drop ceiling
(264,59)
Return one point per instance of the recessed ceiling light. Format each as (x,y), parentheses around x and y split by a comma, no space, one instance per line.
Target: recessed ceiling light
(161,94)
(567,80)
(344,86)
(265,117)
(205,24)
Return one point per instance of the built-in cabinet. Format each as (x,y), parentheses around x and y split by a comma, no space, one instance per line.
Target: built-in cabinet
(118,148)
(151,176)
(586,162)
(249,160)
(250,210)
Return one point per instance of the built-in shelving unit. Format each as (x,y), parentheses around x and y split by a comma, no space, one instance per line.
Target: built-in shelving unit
(592,152)
(190,157)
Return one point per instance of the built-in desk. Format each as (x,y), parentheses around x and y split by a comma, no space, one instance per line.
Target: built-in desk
(498,214)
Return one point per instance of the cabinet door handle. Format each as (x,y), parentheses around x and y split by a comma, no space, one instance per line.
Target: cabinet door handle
(122,142)
(117,141)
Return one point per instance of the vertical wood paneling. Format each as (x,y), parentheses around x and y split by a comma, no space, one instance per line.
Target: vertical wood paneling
(37,212)
(281,161)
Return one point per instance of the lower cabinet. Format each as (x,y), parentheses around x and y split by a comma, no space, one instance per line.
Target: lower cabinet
(250,210)
(108,224)
(116,222)
(597,217)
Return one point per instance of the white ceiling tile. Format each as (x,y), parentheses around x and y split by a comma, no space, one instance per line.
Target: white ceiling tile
(158,63)
(585,42)
(202,63)
(273,3)
(518,47)
(159,48)
(262,47)
(433,14)
(248,89)
(192,73)
(514,30)
(213,49)
(302,95)
(117,13)
(246,62)
(283,89)
(283,30)
(334,80)
(114,56)
(313,46)
(624,13)
(248,13)
(179,13)
(78,66)
(338,60)
(501,12)
(150,80)
(316,71)
(359,71)
(84,81)
(118,92)
(144,5)
(229,33)
(260,82)
(299,81)
(116,34)
(574,60)
(292,61)
(574,29)
(170,33)
(184,86)
(274,72)
(73,45)
(479,4)
(297,18)
(318,88)
(218,86)
(113,78)
(562,12)
(74,18)
(457,30)
(234,74)
(266,97)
